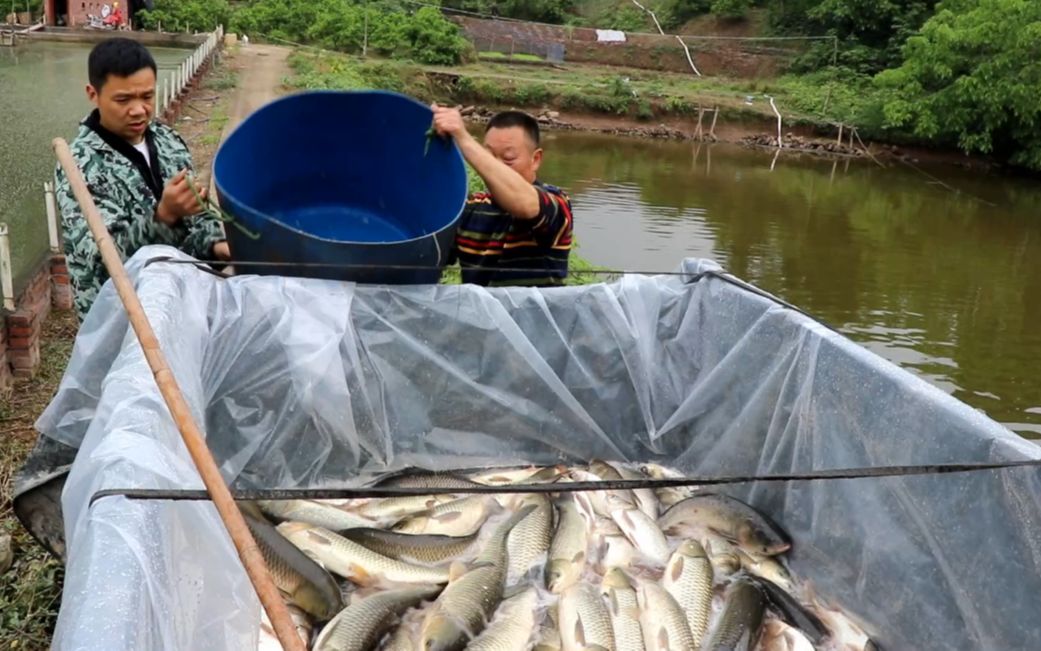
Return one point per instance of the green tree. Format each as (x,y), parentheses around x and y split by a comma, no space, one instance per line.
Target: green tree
(547,11)
(972,77)
(870,32)
(186,15)
(731,9)
(425,35)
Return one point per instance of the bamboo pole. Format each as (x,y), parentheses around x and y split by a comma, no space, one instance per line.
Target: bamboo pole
(193,439)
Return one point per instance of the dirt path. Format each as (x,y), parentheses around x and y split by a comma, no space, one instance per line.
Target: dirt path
(261,70)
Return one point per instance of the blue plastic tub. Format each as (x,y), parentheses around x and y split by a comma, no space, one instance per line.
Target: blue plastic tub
(341,178)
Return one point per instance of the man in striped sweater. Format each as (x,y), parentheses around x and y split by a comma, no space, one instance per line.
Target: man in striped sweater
(519,232)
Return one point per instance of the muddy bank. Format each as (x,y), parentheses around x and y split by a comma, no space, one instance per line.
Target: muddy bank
(749,133)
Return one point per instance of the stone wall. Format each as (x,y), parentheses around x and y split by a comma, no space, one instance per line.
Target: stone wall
(648,51)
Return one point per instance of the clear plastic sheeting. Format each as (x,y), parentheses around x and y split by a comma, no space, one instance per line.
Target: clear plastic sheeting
(307,383)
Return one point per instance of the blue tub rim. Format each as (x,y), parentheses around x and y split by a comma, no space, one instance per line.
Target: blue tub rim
(222,192)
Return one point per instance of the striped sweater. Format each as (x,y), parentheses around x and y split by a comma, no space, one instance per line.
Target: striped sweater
(494,248)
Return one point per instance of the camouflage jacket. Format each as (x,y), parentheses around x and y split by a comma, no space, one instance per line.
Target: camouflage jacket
(126,190)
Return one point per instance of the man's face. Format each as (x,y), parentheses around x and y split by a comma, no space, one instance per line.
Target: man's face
(512,146)
(126,104)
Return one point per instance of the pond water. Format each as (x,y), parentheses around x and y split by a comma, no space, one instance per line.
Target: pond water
(937,269)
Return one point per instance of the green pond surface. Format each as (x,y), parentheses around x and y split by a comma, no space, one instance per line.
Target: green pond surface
(937,270)
(42,95)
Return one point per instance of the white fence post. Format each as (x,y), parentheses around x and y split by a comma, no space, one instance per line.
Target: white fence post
(52,216)
(6,276)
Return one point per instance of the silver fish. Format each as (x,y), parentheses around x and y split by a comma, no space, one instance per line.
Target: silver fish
(353,561)
(646,500)
(360,626)
(549,633)
(467,603)
(662,620)
(567,550)
(641,530)
(528,542)
(585,622)
(618,589)
(613,550)
(512,627)
(598,498)
(670,495)
(458,518)
(724,556)
(312,512)
(399,640)
(688,578)
(412,548)
(395,508)
(529,475)
(769,568)
(300,579)
(844,633)
(778,636)
(268,640)
(729,517)
(422,478)
(737,628)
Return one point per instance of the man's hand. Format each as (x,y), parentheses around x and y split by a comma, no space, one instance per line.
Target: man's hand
(178,201)
(221,251)
(449,122)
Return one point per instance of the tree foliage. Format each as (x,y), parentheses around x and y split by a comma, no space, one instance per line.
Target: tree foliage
(972,77)
(547,11)
(186,15)
(385,28)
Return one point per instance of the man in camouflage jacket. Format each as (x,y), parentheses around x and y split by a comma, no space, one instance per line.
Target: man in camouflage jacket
(136,171)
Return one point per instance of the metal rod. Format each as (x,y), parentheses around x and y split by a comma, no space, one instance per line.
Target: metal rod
(192,436)
(367,492)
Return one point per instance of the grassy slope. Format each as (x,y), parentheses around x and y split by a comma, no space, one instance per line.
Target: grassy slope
(30,591)
(819,99)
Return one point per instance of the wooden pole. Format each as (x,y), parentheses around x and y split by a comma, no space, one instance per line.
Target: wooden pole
(712,129)
(698,131)
(779,141)
(179,409)
(838,141)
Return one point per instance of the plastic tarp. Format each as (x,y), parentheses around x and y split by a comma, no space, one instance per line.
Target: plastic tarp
(306,383)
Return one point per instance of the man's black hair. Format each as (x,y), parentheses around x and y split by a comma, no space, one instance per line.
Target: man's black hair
(119,56)
(508,119)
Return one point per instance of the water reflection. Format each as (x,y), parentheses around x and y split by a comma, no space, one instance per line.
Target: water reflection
(938,270)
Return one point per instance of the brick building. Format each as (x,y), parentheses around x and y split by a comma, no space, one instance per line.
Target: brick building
(77,13)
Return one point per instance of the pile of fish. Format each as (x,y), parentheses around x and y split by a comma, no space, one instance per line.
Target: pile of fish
(667,569)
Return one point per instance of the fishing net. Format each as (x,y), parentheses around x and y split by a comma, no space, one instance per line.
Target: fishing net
(305,383)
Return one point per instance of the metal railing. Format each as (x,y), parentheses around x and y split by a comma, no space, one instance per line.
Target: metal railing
(176,84)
